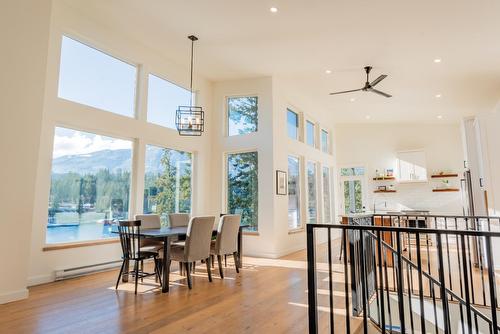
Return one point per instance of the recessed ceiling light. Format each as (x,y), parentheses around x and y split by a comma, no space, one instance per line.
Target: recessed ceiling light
(368,117)
(352,99)
(438,96)
(328,71)
(437,60)
(440,117)
(273,10)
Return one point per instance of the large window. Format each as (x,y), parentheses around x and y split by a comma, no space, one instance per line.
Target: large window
(293,192)
(327,211)
(90,185)
(167,181)
(310,134)
(242,187)
(242,115)
(93,78)
(352,184)
(311,193)
(163,99)
(292,120)
(324,141)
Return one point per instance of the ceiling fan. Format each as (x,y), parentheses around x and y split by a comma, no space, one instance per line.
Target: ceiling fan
(368,85)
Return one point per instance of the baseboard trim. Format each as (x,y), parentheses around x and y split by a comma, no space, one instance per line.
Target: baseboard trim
(40,279)
(13,296)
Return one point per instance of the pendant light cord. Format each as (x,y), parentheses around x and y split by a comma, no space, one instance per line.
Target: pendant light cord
(191,84)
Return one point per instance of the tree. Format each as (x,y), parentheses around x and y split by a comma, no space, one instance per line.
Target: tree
(243,111)
(243,187)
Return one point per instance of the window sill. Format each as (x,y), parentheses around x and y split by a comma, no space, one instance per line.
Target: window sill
(297,230)
(52,247)
(251,233)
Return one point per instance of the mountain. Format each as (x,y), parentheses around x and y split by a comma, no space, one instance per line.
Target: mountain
(112,160)
(93,162)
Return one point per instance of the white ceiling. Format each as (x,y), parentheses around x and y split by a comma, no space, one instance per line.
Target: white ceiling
(241,39)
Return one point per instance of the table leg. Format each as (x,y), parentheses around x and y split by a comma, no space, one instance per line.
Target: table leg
(125,271)
(240,248)
(166,266)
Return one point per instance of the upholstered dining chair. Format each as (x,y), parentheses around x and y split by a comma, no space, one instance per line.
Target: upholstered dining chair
(178,219)
(196,247)
(130,239)
(227,240)
(150,221)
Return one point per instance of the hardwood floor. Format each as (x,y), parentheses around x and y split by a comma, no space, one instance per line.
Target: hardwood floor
(268,296)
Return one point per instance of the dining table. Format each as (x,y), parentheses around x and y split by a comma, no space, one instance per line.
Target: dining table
(167,235)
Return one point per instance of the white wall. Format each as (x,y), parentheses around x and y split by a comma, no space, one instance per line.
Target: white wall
(289,241)
(375,146)
(489,124)
(59,112)
(24,32)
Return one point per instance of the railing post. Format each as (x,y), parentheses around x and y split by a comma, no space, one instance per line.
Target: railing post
(400,284)
(442,287)
(311,280)
(492,281)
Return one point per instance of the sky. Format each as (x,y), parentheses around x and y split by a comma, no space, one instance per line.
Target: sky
(71,142)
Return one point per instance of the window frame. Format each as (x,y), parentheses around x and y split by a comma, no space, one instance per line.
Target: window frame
(226,114)
(146,97)
(131,199)
(192,183)
(306,176)
(225,183)
(292,110)
(310,121)
(327,150)
(329,186)
(362,178)
(108,52)
(300,225)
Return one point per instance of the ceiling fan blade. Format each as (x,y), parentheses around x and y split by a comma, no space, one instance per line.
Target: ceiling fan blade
(376,81)
(346,91)
(379,92)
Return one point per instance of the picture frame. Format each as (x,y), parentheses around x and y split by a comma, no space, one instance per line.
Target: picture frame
(383,188)
(281,182)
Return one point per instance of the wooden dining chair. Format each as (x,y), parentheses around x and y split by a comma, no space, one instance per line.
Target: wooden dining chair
(226,242)
(196,247)
(130,239)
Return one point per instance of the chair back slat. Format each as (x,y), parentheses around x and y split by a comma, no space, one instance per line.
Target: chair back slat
(198,238)
(227,234)
(130,238)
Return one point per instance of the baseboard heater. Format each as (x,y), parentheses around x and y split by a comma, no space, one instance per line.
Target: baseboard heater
(85,270)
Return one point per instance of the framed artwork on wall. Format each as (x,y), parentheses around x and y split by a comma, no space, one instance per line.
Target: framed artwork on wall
(281,182)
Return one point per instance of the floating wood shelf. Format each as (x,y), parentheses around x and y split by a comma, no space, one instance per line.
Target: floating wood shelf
(384,191)
(384,178)
(435,176)
(445,190)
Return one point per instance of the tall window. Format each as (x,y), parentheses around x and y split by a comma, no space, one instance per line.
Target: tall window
(352,183)
(292,120)
(90,185)
(93,78)
(327,211)
(242,115)
(310,134)
(163,99)
(324,141)
(242,187)
(293,192)
(167,181)
(311,192)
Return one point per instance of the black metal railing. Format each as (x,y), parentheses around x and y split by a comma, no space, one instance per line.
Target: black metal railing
(403,273)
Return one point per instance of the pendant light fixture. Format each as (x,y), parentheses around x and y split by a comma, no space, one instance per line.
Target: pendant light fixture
(190,120)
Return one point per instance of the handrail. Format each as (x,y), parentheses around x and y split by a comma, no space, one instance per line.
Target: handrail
(472,233)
